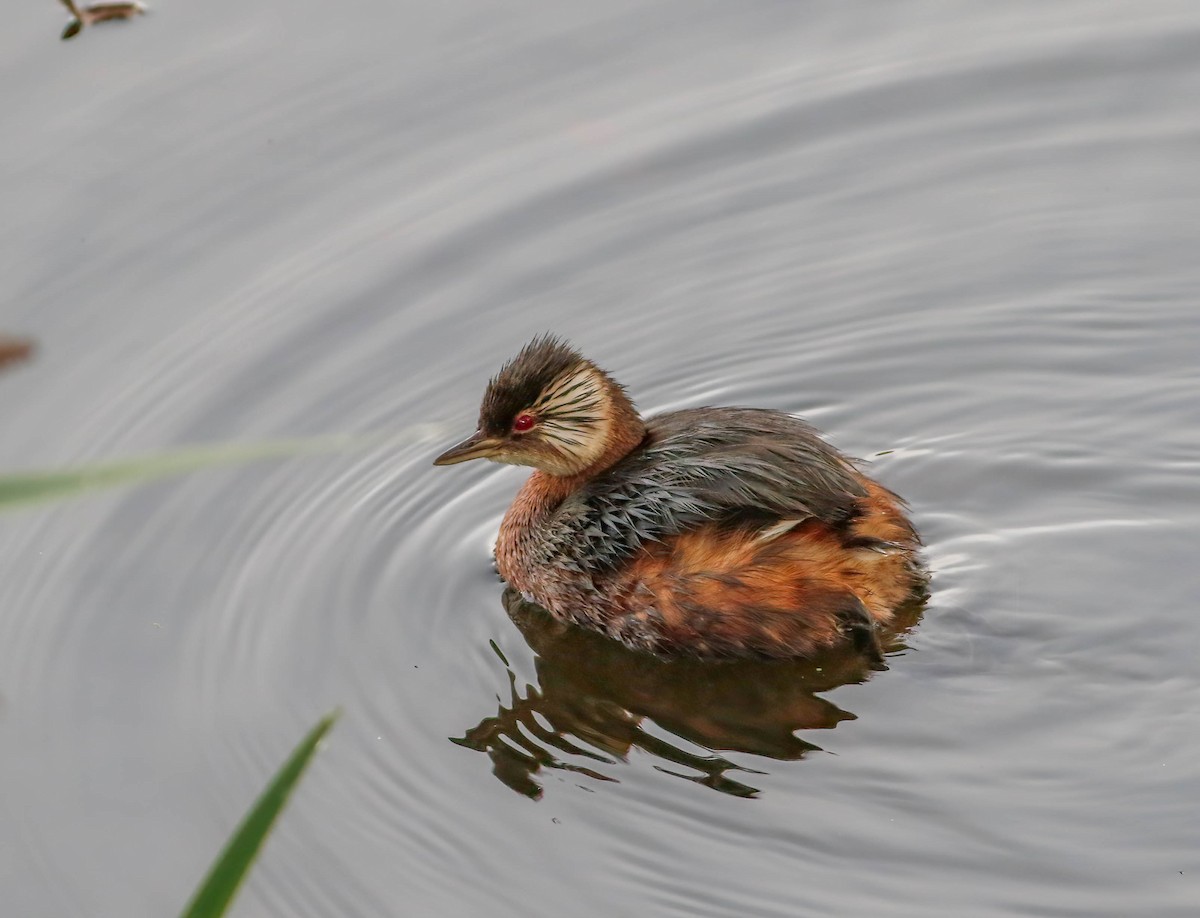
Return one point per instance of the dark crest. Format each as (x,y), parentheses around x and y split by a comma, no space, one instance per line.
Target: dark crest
(522,380)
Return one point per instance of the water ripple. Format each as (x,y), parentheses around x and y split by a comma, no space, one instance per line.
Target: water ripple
(962,246)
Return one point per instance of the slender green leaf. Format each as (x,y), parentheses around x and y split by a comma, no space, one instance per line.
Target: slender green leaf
(215,894)
(20,488)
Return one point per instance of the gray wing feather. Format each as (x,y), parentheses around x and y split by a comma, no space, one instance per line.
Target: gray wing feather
(703,465)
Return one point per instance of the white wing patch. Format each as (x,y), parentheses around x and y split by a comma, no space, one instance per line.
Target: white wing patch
(776,530)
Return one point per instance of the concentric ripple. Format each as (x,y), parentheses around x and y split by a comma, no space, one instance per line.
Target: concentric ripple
(962,242)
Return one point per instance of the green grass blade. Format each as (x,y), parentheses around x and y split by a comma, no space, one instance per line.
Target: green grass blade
(213,897)
(21,488)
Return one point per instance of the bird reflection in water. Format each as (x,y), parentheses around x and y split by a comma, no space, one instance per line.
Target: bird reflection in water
(595,701)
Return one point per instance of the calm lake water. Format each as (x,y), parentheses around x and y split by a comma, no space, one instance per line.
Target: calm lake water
(963,239)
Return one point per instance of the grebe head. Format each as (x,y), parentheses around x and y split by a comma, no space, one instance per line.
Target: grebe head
(552,409)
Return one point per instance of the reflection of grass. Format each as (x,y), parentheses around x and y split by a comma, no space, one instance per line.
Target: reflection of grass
(19,488)
(216,893)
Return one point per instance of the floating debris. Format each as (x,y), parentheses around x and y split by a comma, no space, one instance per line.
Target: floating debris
(103,11)
(14,350)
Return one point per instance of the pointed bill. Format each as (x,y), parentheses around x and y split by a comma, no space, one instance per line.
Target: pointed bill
(476,446)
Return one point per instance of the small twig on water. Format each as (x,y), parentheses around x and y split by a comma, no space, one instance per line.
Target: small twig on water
(102,11)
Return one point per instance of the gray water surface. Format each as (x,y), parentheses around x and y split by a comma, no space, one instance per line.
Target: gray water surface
(960,238)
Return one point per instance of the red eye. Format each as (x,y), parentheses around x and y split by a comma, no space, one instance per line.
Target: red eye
(523,422)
